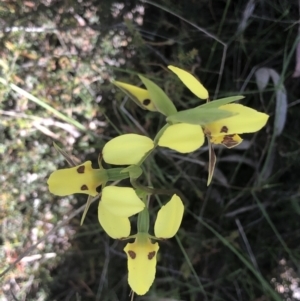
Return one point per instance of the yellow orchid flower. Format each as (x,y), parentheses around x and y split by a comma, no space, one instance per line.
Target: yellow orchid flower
(220,121)
(187,137)
(115,206)
(225,131)
(141,254)
(127,149)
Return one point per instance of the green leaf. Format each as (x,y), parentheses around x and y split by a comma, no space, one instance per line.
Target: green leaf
(161,101)
(143,221)
(199,116)
(221,102)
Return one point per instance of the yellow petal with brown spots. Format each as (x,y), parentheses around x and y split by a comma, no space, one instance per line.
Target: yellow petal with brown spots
(79,179)
(138,95)
(141,262)
(229,141)
(246,121)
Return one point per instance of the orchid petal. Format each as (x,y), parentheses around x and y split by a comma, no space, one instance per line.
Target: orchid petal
(115,226)
(79,179)
(140,96)
(190,82)
(182,137)
(121,201)
(160,99)
(141,263)
(169,218)
(127,149)
(229,141)
(246,121)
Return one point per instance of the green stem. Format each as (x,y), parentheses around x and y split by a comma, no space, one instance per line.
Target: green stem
(115,174)
(143,221)
(146,156)
(150,190)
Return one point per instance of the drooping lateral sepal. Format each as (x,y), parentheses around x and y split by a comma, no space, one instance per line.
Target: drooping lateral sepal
(115,226)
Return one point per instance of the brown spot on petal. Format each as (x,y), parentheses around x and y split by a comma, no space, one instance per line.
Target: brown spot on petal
(224,129)
(151,255)
(84,187)
(229,142)
(81,169)
(131,254)
(146,102)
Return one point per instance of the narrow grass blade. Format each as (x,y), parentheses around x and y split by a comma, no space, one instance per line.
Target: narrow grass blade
(86,208)
(247,264)
(65,155)
(44,105)
(211,163)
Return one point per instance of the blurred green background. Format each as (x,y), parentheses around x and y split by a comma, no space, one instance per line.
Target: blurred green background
(240,237)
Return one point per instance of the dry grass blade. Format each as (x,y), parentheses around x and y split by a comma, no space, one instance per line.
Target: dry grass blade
(65,155)
(262,76)
(211,162)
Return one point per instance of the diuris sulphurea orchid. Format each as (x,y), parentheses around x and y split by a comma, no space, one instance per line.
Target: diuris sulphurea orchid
(220,131)
(187,137)
(220,121)
(142,253)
